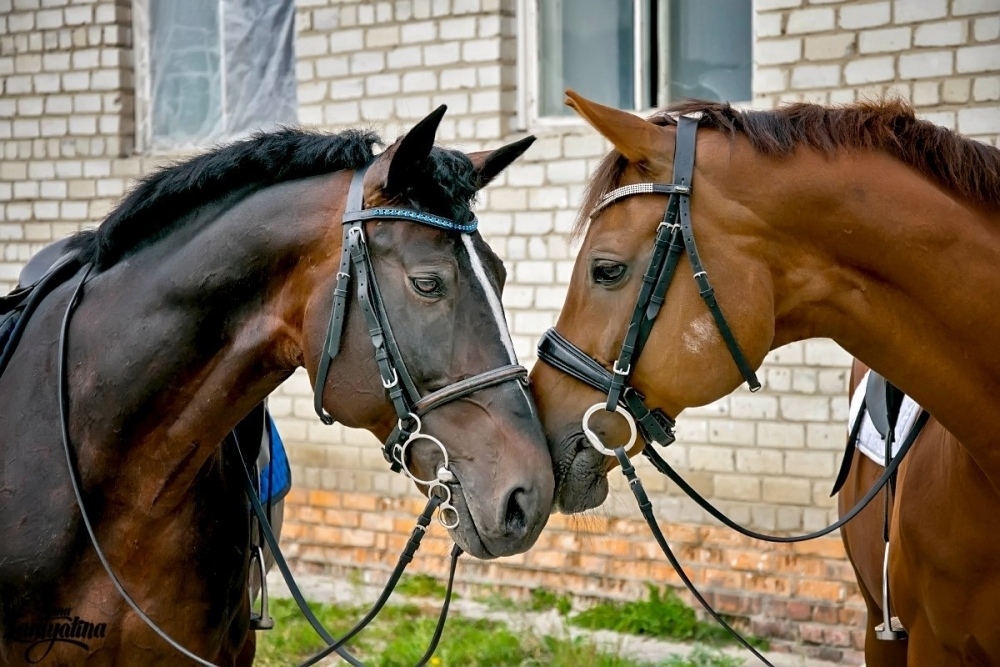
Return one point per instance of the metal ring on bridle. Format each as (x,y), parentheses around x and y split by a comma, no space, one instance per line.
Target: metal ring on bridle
(417,435)
(592,438)
(447,509)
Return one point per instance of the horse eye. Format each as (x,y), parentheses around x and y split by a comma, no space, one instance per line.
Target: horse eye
(608,273)
(426,286)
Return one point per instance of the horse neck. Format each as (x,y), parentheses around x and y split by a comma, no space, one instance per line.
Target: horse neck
(220,327)
(899,272)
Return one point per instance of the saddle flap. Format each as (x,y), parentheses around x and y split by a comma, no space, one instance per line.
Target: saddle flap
(883,400)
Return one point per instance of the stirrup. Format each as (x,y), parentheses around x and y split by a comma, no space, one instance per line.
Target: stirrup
(890,629)
(263,620)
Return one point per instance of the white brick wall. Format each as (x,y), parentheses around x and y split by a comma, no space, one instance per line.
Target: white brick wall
(67,137)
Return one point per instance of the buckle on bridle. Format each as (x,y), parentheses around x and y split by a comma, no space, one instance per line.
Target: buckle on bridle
(389,384)
(619,371)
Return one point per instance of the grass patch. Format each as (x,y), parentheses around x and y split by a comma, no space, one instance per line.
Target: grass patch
(540,599)
(422,586)
(543,600)
(400,635)
(662,615)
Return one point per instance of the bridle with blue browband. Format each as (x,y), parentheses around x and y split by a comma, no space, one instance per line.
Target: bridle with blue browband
(410,406)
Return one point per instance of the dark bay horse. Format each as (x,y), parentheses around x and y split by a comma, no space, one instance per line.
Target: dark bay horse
(860,223)
(208,286)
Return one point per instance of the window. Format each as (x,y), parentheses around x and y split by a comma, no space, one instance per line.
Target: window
(213,69)
(636,54)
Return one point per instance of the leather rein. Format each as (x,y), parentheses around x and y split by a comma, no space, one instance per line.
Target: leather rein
(674,237)
(400,388)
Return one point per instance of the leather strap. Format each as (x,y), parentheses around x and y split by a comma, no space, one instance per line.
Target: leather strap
(341,294)
(852,443)
(665,468)
(646,507)
(31,298)
(687,128)
(429,219)
(884,400)
(468,386)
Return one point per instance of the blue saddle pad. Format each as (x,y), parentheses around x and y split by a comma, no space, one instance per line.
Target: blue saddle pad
(276,478)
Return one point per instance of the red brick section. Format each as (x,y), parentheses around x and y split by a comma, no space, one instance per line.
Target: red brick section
(802,597)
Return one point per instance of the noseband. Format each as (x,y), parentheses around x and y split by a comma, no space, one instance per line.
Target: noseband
(674,235)
(410,406)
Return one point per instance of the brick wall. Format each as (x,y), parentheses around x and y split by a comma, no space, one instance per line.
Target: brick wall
(67,136)
(802,597)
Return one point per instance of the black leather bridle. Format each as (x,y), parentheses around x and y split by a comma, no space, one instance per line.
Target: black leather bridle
(674,235)
(410,406)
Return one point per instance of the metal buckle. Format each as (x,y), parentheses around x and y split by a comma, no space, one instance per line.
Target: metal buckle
(618,371)
(682,189)
(263,620)
(393,382)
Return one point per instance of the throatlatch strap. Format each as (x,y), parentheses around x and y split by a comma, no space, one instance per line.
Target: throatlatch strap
(687,129)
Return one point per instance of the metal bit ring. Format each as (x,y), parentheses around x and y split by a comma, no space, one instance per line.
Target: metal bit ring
(595,441)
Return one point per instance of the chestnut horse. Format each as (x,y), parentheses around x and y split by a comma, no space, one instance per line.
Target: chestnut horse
(939,583)
(861,224)
(208,286)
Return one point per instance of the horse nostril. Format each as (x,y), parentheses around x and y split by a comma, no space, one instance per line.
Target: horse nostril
(515,518)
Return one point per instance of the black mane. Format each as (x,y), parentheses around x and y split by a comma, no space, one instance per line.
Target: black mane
(166,196)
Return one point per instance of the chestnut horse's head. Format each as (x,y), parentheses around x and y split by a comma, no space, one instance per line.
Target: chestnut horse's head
(686,361)
(440,335)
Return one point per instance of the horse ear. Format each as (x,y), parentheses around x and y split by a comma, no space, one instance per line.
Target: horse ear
(635,138)
(413,147)
(489,164)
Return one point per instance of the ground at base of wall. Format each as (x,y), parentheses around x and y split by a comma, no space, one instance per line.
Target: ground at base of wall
(548,623)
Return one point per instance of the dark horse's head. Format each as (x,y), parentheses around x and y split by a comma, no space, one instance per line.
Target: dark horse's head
(242,250)
(441,291)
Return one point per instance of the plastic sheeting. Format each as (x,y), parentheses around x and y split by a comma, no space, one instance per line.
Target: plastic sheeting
(217,69)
